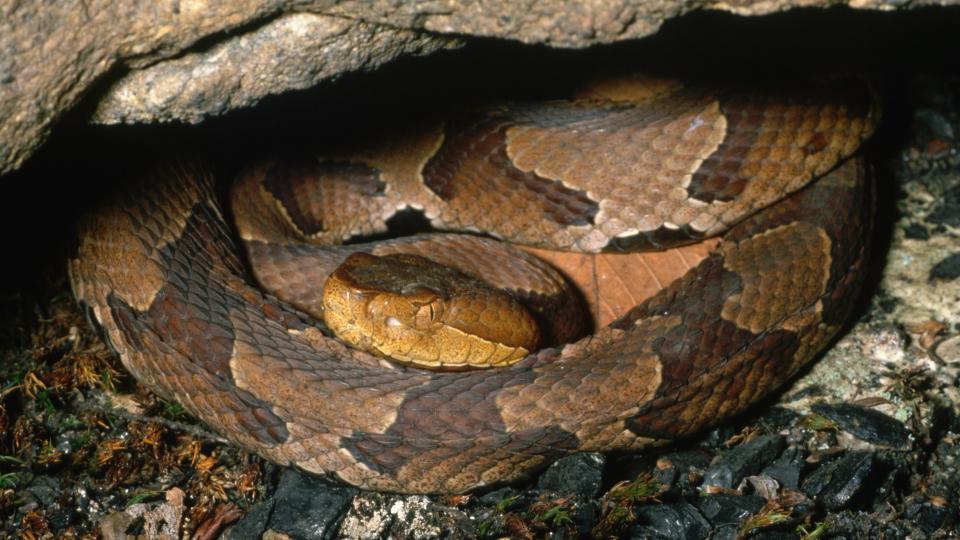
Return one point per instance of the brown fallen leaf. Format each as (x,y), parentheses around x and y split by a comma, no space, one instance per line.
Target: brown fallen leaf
(927,330)
(223,515)
(612,283)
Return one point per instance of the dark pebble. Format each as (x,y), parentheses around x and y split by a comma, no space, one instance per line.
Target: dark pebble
(717,436)
(887,304)
(303,506)
(891,473)
(866,424)
(676,520)
(723,509)
(836,483)
(931,517)
(498,496)
(786,468)
(579,474)
(779,418)
(48,491)
(726,532)
(946,269)
(254,523)
(947,214)
(915,231)
(744,460)
(585,516)
(59,518)
(45,488)
(676,475)
(932,123)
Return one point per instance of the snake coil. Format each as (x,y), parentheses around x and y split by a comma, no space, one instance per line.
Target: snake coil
(161,271)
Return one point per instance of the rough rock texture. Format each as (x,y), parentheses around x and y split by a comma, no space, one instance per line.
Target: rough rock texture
(291,52)
(52,55)
(131,55)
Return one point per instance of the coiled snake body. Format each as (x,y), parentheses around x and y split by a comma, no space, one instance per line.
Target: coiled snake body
(159,268)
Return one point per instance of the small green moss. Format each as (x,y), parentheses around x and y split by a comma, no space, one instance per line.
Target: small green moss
(11,459)
(818,423)
(14,378)
(9,480)
(173,410)
(72,422)
(644,488)
(617,505)
(44,400)
(143,496)
(819,529)
(483,528)
(556,516)
(769,515)
(506,503)
(106,378)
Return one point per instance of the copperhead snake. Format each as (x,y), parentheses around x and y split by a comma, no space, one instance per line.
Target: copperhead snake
(626,165)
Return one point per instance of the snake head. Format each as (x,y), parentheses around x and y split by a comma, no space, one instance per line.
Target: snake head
(413,310)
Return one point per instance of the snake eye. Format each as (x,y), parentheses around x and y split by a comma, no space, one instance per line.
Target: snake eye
(428,313)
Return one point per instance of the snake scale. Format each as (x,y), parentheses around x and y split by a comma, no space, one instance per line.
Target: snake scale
(633,165)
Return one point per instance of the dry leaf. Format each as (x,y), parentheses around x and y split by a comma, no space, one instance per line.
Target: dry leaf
(612,283)
(928,331)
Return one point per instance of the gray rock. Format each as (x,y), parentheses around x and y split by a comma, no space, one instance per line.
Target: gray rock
(947,350)
(915,231)
(55,51)
(155,520)
(948,268)
(722,509)
(678,520)
(289,53)
(45,489)
(681,471)
(303,506)
(253,524)
(378,515)
(835,484)
(934,517)
(726,532)
(786,468)
(866,424)
(579,474)
(53,54)
(746,459)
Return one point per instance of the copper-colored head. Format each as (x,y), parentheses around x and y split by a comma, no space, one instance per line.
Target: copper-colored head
(415,311)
